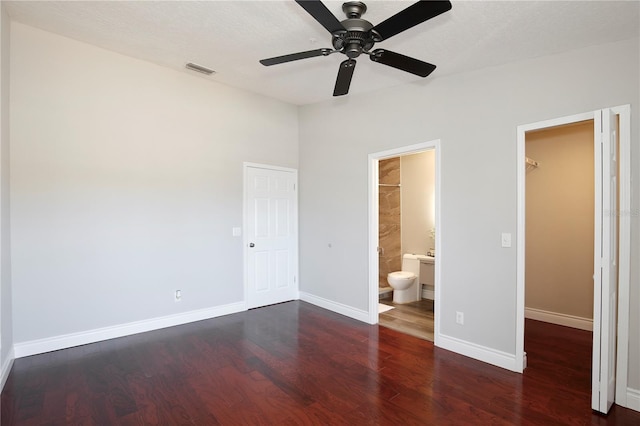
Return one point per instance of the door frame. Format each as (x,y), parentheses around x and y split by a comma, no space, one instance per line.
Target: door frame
(374,236)
(624,241)
(245,222)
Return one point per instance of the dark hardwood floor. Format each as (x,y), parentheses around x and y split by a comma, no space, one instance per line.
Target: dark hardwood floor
(297,364)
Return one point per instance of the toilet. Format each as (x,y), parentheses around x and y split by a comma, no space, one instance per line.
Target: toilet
(406,283)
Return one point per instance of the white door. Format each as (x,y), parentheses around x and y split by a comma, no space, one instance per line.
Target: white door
(271,237)
(606,263)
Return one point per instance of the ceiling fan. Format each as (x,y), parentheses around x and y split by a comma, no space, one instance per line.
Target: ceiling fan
(355,36)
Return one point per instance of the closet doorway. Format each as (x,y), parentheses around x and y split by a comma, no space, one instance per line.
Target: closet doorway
(611,243)
(559,230)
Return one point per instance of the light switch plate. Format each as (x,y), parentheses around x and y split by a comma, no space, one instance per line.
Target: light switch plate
(506,239)
(236,231)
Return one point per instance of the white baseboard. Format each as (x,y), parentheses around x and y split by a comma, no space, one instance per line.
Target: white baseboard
(336,307)
(6,368)
(428,294)
(559,319)
(481,353)
(633,399)
(49,344)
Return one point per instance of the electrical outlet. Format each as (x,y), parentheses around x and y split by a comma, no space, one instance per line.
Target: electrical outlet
(460,318)
(178,295)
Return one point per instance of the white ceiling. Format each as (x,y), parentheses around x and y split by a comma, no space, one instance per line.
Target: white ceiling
(231,36)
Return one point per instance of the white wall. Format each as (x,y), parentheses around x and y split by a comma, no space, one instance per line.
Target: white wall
(475,115)
(6,322)
(126,180)
(417,175)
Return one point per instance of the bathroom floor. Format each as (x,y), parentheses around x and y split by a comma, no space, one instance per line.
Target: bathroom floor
(415,319)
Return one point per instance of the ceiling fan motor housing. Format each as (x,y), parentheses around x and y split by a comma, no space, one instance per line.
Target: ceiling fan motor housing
(358,36)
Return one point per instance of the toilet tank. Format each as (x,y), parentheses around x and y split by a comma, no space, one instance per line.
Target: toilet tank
(411,263)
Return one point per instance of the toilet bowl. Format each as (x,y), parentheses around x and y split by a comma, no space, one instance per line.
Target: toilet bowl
(402,283)
(406,283)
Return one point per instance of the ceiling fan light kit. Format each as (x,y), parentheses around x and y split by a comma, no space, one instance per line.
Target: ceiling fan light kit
(355,36)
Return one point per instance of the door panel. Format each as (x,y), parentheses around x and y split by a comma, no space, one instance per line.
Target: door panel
(271,236)
(282,268)
(606,261)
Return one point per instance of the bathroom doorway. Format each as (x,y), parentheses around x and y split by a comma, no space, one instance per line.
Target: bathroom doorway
(404,219)
(406,187)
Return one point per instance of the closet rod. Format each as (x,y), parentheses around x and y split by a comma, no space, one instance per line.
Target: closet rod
(397,185)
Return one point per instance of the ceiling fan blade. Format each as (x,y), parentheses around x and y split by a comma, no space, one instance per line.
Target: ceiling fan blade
(344,77)
(320,13)
(413,15)
(402,62)
(295,56)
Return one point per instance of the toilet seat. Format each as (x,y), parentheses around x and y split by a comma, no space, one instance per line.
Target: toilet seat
(402,275)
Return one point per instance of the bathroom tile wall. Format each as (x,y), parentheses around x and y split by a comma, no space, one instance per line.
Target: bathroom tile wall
(389,218)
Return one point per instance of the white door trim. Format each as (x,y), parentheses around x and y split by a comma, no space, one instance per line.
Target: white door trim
(245,222)
(624,240)
(373,160)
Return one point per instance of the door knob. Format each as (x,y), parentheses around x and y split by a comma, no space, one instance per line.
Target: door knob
(251,245)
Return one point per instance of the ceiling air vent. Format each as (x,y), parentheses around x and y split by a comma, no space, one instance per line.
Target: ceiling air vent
(199,68)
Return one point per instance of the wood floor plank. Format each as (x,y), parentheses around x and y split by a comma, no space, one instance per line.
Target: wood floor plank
(297,364)
(415,318)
